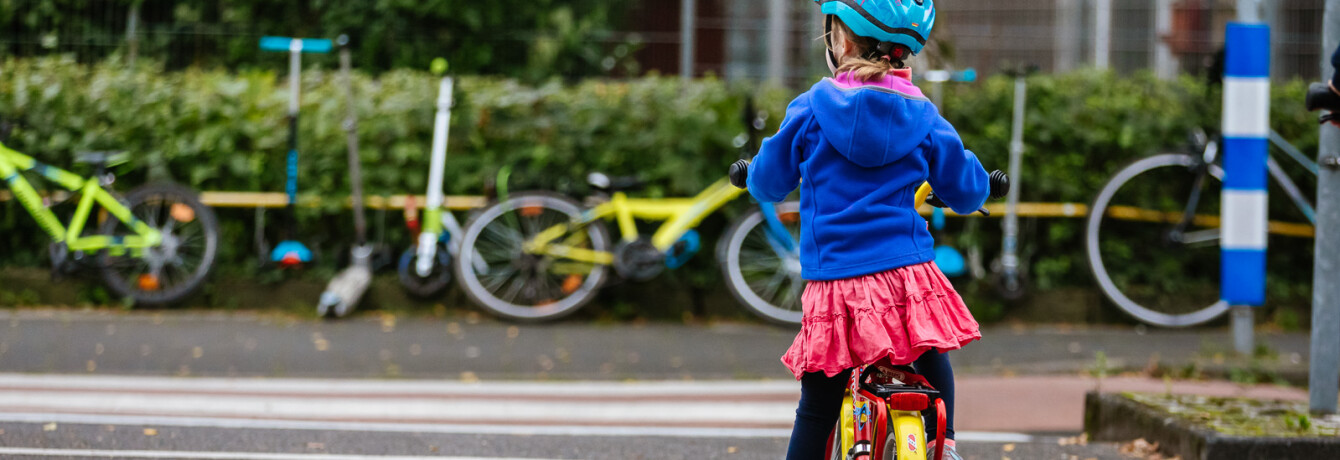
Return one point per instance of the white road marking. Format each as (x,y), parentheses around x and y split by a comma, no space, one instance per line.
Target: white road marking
(712,409)
(479,410)
(189,455)
(309,386)
(440,428)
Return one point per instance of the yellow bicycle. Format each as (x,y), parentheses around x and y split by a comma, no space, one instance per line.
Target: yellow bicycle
(540,255)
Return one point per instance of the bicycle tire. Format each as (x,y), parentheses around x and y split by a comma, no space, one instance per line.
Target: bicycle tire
(560,208)
(178,240)
(1093,244)
(746,240)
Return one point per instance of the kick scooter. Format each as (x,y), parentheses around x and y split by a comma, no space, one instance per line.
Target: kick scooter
(344,292)
(291,253)
(1011,278)
(425,269)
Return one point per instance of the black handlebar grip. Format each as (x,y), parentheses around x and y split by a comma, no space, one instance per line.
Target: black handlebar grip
(1000,184)
(1320,96)
(739,173)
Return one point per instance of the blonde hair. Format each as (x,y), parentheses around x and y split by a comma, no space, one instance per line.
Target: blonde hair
(865,63)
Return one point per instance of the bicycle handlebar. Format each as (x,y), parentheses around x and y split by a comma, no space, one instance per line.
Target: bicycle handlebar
(1320,97)
(1000,184)
(739,173)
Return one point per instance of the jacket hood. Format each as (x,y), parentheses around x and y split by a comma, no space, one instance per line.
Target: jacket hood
(872,125)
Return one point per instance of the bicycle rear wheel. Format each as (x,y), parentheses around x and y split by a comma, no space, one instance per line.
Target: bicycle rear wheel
(514,283)
(1141,261)
(174,269)
(762,277)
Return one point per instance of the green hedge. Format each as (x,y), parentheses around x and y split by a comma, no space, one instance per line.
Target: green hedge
(222,131)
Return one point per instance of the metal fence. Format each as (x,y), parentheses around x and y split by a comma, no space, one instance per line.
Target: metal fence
(1059,35)
(736,40)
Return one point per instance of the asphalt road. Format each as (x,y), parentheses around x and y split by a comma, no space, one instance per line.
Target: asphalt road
(255,386)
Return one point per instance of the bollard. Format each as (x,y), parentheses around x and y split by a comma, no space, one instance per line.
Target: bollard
(1246,122)
(1324,364)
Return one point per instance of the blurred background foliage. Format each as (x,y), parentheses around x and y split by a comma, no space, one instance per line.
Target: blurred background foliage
(219,130)
(533,39)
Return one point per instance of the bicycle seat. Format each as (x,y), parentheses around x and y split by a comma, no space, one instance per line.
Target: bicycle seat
(884,380)
(606,183)
(102,158)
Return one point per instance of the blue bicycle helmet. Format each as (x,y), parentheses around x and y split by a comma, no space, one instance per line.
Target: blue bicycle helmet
(893,23)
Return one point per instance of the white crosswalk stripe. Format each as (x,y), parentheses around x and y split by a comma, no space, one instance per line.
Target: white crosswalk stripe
(729,409)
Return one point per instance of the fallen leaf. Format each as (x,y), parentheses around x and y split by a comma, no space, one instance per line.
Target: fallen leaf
(1008,448)
(732,449)
(91,366)
(197,352)
(469,377)
(388,322)
(151,432)
(513,332)
(49,427)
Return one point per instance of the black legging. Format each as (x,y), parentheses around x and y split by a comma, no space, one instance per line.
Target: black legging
(821,400)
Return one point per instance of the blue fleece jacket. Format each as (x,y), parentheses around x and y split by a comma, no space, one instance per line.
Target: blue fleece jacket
(858,154)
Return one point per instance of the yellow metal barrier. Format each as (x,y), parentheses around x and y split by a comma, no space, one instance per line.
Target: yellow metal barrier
(464,203)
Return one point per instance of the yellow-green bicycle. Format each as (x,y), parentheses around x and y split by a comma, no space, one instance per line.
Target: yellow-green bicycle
(540,255)
(157,246)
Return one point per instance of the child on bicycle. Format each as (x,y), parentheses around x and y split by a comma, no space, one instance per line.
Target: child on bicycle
(858,145)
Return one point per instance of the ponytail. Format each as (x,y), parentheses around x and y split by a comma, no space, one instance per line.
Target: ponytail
(872,60)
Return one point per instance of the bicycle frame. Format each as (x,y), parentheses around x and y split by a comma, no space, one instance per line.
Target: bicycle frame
(866,417)
(679,214)
(90,190)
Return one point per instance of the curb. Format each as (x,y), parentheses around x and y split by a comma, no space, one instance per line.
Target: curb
(1115,418)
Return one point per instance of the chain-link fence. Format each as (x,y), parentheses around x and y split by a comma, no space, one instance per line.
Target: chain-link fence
(734,38)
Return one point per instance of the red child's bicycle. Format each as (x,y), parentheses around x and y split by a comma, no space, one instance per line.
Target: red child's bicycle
(882,416)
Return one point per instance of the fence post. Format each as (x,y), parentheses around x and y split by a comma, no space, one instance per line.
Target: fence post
(1102,34)
(1165,64)
(1246,122)
(779,26)
(688,14)
(1068,40)
(1324,368)
(132,33)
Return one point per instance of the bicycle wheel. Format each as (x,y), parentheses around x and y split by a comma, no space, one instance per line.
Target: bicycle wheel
(765,279)
(1150,270)
(174,269)
(425,287)
(515,284)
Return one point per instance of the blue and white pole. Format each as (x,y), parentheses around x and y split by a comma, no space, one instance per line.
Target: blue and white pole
(1244,219)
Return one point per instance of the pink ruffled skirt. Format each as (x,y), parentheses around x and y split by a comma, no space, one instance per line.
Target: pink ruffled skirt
(896,314)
